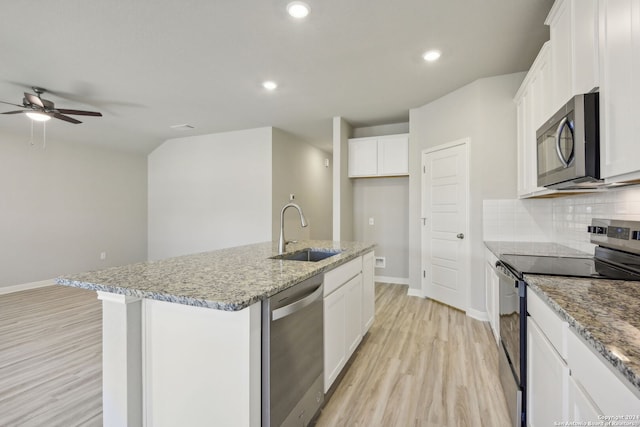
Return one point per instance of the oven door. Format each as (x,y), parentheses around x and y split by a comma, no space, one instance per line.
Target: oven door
(512,306)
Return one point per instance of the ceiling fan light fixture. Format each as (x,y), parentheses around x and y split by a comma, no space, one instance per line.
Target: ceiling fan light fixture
(298,9)
(38,117)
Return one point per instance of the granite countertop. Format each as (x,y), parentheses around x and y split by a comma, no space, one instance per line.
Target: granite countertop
(606,313)
(534,248)
(227,279)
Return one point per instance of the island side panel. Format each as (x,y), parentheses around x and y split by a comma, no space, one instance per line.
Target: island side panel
(121,360)
(201,366)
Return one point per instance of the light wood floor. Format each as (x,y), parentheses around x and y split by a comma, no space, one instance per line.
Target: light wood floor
(422,364)
(50,358)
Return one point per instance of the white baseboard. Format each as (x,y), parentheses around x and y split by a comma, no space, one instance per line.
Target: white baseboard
(26,286)
(394,280)
(478,315)
(415,293)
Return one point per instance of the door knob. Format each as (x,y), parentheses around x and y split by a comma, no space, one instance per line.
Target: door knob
(460,236)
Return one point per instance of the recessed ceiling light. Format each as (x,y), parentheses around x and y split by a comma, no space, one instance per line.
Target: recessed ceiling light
(298,9)
(431,55)
(270,85)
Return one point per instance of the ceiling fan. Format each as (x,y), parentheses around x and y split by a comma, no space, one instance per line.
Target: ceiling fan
(41,109)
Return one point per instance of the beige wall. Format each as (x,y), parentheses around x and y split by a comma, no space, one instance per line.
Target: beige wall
(485,112)
(209,192)
(60,207)
(299,169)
(342,186)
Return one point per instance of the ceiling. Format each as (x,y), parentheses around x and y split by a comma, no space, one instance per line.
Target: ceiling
(150,64)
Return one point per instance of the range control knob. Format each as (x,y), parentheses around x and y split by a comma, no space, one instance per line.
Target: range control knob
(635,235)
(593,229)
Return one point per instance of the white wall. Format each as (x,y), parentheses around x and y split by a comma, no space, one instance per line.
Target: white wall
(483,111)
(299,169)
(342,186)
(210,192)
(62,206)
(386,200)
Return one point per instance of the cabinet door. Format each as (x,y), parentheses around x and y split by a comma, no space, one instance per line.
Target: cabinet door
(353,316)
(547,376)
(334,336)
(393,155)
(368,291)
(620,87)
(585,46)
(363,157)
(560,29)
(580,406)
(491,284)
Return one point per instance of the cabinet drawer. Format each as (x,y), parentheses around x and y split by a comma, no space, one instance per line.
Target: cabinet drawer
(549,322)
(340,275)
(607,391)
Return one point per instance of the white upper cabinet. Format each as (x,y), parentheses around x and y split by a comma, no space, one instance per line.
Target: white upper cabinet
(533,108)
(379,156)
(620,89)
(573,29)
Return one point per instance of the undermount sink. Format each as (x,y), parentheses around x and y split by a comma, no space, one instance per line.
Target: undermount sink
(308,254)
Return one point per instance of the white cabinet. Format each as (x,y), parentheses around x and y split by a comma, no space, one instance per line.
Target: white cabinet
(620,89)
(368,291)
(343,308)
(492,282)
(573,30)
(379,156)
(581,408)
(533,105)
(547,376)
(363,157)
(567,380)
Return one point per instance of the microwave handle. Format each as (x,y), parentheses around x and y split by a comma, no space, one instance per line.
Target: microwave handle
(563,123)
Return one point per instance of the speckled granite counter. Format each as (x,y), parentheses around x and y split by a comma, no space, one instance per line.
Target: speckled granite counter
(606,313)
(227,279)
(534,248)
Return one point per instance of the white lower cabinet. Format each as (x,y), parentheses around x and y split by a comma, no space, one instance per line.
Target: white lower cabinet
(567,379)
(348,313)
(547,376)
(492,283)
(368,291)
(581,408)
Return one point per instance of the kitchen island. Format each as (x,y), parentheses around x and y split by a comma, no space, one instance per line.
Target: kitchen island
(182,336)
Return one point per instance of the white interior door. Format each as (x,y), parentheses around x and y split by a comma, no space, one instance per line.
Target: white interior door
(445,248)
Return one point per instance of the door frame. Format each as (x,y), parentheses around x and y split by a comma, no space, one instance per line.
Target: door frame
(466,142)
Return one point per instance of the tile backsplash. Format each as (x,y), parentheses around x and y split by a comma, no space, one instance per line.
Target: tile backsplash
(561,220)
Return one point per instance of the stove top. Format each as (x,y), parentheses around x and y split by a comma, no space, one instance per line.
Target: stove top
(617,257)
(572,267)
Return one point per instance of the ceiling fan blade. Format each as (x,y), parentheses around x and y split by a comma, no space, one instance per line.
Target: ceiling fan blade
(14,112)
(66,118)
(11,103)
(33,99)
(79,112)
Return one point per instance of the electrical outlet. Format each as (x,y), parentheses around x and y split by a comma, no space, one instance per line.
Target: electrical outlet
(103,256)
(292,197)
(380,262)
(371,221)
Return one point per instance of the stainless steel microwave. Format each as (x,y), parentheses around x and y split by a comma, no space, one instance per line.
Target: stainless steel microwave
(569,146)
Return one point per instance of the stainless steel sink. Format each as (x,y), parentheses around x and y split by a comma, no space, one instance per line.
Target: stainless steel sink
(308,255)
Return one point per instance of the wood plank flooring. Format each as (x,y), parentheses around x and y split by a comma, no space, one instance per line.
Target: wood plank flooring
(422,364)
(50,358)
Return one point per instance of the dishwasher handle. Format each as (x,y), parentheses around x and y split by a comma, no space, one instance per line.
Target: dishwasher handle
(296,306)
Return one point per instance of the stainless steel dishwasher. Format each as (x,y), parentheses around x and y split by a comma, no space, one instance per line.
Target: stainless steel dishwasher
(292,355)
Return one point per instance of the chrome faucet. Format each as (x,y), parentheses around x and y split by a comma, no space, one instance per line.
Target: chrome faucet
(282,243)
